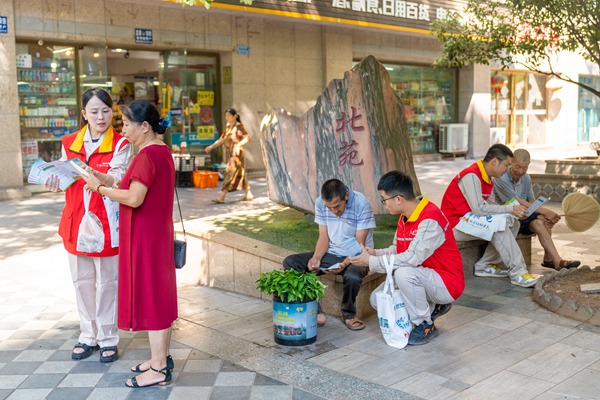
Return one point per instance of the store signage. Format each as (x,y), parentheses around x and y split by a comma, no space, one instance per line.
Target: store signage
(394,8)
(3,24)
(206,132)
(206,115)
(29,152)
(412,15)
(53,132)
(24,61)
(206,98)
(243,49)
(143,36)
(176,111)
(205,135)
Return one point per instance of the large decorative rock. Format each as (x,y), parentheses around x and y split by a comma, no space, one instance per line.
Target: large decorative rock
(356,132)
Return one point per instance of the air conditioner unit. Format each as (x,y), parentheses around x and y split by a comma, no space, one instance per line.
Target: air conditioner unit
(454,138)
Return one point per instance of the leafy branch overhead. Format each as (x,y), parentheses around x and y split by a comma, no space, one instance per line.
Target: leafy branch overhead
(527,32)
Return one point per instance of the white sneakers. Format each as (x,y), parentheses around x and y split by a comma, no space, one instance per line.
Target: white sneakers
(525,280)
(494,271)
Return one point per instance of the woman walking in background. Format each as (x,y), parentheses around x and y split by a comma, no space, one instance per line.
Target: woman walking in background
(234,137)
(94,274)
(147,285)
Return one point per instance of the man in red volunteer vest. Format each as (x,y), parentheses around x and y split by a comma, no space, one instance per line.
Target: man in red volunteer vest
(427,263)
(472,191)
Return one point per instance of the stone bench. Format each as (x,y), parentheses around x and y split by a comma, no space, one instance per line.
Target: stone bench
(233,262)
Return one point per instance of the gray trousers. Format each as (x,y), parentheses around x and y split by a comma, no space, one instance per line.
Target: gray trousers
(422,288)
(502,249)
(352,277)
(95,281)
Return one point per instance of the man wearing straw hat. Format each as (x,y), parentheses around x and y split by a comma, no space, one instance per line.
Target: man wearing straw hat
(469,197)
(516,183)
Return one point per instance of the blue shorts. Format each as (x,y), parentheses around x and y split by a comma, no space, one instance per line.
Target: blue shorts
(524,229)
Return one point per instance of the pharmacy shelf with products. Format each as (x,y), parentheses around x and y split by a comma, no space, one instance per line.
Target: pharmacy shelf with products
(47,108)
(427,104)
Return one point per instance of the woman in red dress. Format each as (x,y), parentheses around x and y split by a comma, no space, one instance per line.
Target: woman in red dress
(147,285)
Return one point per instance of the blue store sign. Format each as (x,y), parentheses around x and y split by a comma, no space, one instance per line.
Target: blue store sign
(3,24)
(243,49)
(143,36)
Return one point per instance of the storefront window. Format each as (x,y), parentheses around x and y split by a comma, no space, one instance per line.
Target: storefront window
(429,100)
(188,98)
(47,99)
(518,112)
(588,120)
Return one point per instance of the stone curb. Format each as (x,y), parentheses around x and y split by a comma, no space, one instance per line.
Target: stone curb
(566,308)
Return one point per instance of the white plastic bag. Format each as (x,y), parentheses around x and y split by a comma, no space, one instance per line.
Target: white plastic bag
(483,226)
(391,312)
(112,212)
(91,235)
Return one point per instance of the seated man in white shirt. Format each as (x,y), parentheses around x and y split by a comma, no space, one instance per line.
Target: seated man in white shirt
(516,183)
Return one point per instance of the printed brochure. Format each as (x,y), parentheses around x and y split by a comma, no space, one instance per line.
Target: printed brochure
(67,171)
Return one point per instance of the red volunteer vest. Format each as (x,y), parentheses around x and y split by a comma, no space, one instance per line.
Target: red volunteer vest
(454,204)
(446,259)
(72,214)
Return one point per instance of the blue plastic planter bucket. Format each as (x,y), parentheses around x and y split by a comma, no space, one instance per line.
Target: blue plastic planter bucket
(295,323)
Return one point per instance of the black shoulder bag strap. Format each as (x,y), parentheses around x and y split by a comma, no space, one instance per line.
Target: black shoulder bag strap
(180,216)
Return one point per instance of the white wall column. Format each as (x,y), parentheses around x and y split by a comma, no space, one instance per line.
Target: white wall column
(11,178)
(474,104)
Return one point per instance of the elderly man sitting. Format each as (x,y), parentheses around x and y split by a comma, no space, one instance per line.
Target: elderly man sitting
(516,183)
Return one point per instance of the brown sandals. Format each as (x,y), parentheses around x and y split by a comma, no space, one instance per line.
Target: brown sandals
(562,264)
(354,324)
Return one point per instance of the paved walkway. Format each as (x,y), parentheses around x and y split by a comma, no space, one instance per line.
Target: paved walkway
(494,344)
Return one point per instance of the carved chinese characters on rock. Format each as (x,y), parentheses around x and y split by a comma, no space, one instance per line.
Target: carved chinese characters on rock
(348,152)
(356,132)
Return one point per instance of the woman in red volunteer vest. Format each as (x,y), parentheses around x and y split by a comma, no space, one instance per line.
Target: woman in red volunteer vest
(94,274)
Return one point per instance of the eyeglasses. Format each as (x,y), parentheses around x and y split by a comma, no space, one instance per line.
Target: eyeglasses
(389,198)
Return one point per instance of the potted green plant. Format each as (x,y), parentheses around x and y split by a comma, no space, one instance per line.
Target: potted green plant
(295,304)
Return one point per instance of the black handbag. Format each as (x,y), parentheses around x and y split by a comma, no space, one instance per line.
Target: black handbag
(180,245)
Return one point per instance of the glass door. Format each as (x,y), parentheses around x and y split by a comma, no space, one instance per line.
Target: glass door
(519,106)
(188,98)
(47,100)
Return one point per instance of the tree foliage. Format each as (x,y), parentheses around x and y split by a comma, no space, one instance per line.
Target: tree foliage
(527,32)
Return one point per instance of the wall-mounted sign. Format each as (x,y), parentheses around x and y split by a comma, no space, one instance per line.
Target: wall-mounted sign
(226,74)
(24,61)
(3,24)
(143,36)
(397,15)
(243,49)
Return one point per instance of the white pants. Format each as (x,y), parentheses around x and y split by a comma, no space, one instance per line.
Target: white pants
(502,249)
(422,288)
(95,281)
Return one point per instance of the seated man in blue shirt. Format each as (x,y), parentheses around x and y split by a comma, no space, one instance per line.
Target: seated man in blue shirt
(516,183)
(344,217)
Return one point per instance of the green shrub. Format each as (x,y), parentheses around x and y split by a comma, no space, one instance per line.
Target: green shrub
(291,285)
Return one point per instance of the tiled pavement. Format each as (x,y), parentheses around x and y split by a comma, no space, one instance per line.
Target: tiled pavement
(494,344)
